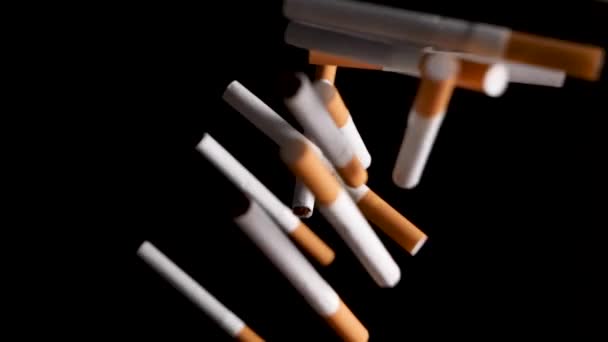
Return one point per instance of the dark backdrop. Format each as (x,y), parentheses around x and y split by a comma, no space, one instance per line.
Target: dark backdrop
(512,198)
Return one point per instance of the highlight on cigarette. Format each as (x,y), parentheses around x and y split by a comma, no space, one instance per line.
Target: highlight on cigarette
(388,219)
(265,234)
(439,73)
(342,118)
(197,294)
(309,110)
(339,209)
(399,27)
(252,187)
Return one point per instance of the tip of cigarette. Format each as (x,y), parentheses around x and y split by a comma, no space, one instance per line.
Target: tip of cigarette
(496,80)
(418,245)
(404,181)
(229,87)
(302,212)
(145,245)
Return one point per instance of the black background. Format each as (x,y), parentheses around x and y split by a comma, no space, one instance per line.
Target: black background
(512,198)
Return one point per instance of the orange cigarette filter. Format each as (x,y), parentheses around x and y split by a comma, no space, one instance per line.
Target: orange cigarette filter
(321,58)
(313,245)
(248,335)
(433,96)
(347,326)
(579,60)
(391,222)
(326,72)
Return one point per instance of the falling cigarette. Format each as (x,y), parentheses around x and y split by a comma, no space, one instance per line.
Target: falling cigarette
(310,112)
(251,186)
(260,228)
(401,26)
(439,74)
(326,72)
(341,212)
(225,318)
(342,118)
(303,202)
(388,219)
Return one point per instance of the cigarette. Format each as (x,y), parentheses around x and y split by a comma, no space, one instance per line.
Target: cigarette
(402,26)
(439,74)
(219,313)
(253,188)
(309,110)
(342,118)
(326,72)
(265,234)
(303,202)
(388,219)
(259,113)
(341,212)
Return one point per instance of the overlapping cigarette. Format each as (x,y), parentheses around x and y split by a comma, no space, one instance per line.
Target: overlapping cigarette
(406,27)
(259,227)
(303,202)
(389,220)
(439,74)
(225,318)
(489,76)
(342,118)
(309,110)
(339,209)
(250,185)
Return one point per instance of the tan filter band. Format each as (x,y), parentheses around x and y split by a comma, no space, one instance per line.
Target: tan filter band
(248,335)
(326,72)
(578,60)
(347,325)
(306,165)
(313,245)
(391,222)
(321,58)
(439,75)
(337,109)
(353,173)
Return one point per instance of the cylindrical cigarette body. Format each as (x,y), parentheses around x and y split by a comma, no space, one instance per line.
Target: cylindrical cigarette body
(341,116)
(405,26)
(341,212)
(306,106)
(303,203)
(258,113)
(225,318)
(389,220)
(432,98)
(251,186)
(260,228)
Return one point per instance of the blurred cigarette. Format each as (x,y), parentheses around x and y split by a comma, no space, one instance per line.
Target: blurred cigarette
(437,83)
(402,26)
(342,118)
(219,313)
(309,110)
(326,72)
(388,219)
(260,228)
(251,186)
(303,200)
(340,210)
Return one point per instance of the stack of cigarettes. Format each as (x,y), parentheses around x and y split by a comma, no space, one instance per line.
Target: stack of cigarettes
(329,158)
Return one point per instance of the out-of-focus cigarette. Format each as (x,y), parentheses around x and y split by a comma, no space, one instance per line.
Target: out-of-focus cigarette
(388,219)
(219,313)
(439,73)
(401,26)
(303,203)
(260,228)
(310,112)
(251,186)
(340,210)
(326,72)
(341,116)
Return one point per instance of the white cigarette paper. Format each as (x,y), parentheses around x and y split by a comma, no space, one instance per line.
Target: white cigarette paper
(303,203)
(225,318)
(399,25)
(309,110)
(248,183)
